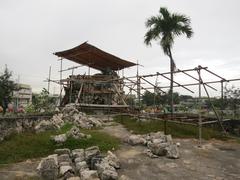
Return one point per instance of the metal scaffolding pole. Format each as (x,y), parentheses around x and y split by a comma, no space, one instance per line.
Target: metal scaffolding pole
(196,78)
(222,99)
(49,77)
(176,83)
(60,94)
(214,110)
(200,109)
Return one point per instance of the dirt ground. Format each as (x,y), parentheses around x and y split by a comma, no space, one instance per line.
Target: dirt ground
(215,160)
(20,171)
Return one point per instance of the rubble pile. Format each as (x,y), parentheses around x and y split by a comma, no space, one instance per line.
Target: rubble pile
(157,143)
(74,132)
(69,114)
(84,164)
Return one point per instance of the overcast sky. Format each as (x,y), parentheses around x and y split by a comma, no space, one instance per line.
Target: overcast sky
(31,30)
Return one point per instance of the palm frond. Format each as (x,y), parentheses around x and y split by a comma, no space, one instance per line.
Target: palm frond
(164,12)
(165,26)
(182,25)
(180,18)
(152,20)
(148,37)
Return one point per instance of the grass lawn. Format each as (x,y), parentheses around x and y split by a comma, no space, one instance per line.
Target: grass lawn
(28,145)
(176,130)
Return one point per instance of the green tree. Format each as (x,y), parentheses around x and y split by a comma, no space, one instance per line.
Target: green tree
(6,88)
(148,98)
(151,98)
(232,99)
(164,27)
(42,102)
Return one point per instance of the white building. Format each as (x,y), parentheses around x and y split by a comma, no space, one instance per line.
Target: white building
(23,95)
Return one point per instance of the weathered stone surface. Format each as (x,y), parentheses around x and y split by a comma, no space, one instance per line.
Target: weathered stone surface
(136,140)
(108,174)
(64,158)
(173,152)
(48,169)
(81,165)
(89,175)
(69,109)
(65,164)
(62,151)
(68,174)
(75,133)
(97,167)
(95,160)
(55,157)
(158,141)
(78,153)
(80,119)
(91,152)
(74,178)
(79,159)
(102,166)
(158,144)
(54,123)
(57,120)
(157,135)
(61,138)
(96,122)
(68,114)
(150,154)
(64,169)
(113,160)
(158,148)
(169,139)
(44,126)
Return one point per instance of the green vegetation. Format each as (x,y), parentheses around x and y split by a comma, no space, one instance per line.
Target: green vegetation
(42,103)
(176,130)
(156,98)
(6,88)
(28,145)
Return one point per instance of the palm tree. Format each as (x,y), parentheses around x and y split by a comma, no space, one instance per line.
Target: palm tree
(164,27)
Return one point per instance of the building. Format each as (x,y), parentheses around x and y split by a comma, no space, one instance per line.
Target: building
(104,89)
(22,96)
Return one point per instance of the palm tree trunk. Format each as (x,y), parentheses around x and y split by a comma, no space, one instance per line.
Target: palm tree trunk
(172,67)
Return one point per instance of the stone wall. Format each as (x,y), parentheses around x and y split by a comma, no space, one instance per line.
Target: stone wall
(9,125)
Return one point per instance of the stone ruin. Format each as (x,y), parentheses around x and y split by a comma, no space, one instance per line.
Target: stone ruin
(79,164)
(157,144)
(74,133)
(69,114)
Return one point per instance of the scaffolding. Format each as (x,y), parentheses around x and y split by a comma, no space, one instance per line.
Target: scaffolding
(107,91)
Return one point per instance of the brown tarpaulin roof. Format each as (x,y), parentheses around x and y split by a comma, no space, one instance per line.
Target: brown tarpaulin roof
(94,57)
